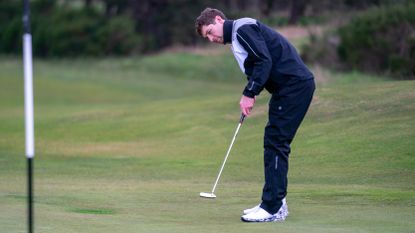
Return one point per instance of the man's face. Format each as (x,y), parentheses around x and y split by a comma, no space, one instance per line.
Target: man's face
(214,32)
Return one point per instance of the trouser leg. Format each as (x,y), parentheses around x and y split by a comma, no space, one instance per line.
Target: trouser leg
(275,169)
(287,109)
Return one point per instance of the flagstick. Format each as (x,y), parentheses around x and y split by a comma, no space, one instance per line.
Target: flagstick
(30,194)
(29,122)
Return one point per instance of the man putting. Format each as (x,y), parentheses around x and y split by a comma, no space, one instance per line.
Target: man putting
(270,62)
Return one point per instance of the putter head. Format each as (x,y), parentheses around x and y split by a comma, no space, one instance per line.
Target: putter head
(207,195)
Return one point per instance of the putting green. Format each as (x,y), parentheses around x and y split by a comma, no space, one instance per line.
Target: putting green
(126,145)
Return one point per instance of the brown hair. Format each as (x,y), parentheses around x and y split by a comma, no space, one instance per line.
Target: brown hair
(207,17)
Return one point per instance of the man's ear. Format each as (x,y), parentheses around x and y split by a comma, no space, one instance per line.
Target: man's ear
(219,19)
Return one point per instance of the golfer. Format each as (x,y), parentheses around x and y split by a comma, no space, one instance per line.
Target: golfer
(270,62)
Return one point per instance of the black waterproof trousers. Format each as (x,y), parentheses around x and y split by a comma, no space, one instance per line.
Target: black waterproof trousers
(287,109)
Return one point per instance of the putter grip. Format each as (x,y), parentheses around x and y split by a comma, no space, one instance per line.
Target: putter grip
(242,118)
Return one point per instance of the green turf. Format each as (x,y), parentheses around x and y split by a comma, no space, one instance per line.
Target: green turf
(126,145)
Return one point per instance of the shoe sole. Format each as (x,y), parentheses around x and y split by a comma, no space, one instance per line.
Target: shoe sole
(263,220)
(272,219)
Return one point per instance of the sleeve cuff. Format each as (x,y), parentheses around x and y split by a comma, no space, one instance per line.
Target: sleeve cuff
(252,89)
(248,93)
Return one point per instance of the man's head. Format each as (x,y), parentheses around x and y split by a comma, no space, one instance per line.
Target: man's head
(210,25)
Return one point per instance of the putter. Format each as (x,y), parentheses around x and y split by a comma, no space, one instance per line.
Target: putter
(212,194)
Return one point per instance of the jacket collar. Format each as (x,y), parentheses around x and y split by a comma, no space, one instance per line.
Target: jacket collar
(227,31)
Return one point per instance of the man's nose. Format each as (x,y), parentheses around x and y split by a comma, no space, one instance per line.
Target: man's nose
(210,38)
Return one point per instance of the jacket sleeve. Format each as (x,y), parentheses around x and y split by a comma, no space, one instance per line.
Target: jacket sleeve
(253,42)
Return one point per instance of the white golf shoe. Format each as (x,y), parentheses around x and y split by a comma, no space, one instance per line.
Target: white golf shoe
(260,215)
(257,214)
(283,209)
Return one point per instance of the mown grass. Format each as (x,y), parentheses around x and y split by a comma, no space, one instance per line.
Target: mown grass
(126,145)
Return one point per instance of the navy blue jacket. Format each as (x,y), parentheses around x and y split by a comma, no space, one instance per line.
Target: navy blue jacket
(264,55)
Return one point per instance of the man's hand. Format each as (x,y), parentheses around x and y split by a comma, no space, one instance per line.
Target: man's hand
(246,104)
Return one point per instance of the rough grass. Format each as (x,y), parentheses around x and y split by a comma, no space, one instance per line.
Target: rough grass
(126,145)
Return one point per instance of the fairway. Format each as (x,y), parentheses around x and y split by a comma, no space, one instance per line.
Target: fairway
(126,145)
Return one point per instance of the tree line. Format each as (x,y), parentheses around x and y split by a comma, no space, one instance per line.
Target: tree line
(124,27)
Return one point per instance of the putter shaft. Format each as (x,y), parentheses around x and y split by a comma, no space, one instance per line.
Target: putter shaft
(227,153)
